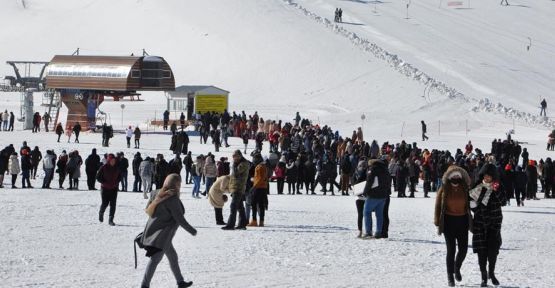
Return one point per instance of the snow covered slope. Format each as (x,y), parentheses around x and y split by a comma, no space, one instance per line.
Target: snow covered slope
(480,49)
(281,56)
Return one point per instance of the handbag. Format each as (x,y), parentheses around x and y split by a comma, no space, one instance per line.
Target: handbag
(138,241)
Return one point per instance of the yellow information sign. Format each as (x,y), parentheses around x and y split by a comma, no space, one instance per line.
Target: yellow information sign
(210,103)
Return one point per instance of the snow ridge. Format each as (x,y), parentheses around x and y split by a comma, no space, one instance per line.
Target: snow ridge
(407,69)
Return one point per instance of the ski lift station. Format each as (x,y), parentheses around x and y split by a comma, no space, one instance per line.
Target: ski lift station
(82,83)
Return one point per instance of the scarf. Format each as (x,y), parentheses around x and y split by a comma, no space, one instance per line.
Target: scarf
(475,194)
(170,188)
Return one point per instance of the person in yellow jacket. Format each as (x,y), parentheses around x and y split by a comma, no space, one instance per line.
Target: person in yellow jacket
(259,194)
(217,197)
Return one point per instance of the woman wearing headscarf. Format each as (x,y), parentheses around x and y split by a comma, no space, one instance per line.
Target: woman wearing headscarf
(166,214)
(486,200)
(453,219)
(217,198)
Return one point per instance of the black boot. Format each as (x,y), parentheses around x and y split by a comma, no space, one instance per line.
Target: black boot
(101,217)
(484,279)
(450,280)
(184,284)
(491,274)
(458,275)
(111,221)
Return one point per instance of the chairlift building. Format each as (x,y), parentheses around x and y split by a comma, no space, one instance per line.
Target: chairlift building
(82,82)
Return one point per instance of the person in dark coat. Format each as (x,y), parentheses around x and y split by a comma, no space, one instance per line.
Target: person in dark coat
(36,157)
(173,128)
(137,183)
(123,165)
(524,156)
(61,168)
(508,179)
(92,164)
(291,177)
(137,134)
(520,181)
(175,165)
(401,179)
(12,121)
(109,176)
(166,215)
(182,121)
(376,190)
(59,131)
(548,172)
(77,131)
(26,166)
(160,170)
(424,131)
(4,160)
(166,119)
(532,180)
(186,140)
(188,164)
(309,174)
(486,200)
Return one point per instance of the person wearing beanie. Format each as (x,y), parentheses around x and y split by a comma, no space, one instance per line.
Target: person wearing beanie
(453,219)
(166,215)
(109,176)
(486,199)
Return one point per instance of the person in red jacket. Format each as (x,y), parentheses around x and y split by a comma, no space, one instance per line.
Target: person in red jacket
(109,176)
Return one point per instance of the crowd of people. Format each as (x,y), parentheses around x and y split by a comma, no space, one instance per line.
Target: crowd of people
(472,185)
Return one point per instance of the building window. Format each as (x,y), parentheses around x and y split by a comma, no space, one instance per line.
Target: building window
(135,73)
(166,74)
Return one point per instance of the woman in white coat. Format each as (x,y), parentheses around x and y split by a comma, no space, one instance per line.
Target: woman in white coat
(14,168)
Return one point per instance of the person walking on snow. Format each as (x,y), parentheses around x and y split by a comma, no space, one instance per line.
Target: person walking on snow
(424,131)
(453,219)
(543,103)
(166,215)
(486,200)
(109,176)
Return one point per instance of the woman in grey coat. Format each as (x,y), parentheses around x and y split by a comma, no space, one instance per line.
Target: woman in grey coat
(166,215)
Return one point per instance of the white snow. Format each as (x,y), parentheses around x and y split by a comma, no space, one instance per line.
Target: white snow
(279,57)
(52,238)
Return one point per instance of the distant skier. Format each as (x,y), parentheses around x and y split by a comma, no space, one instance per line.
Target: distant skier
(544,106)
(424,130)
(340,15)
(504,1)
